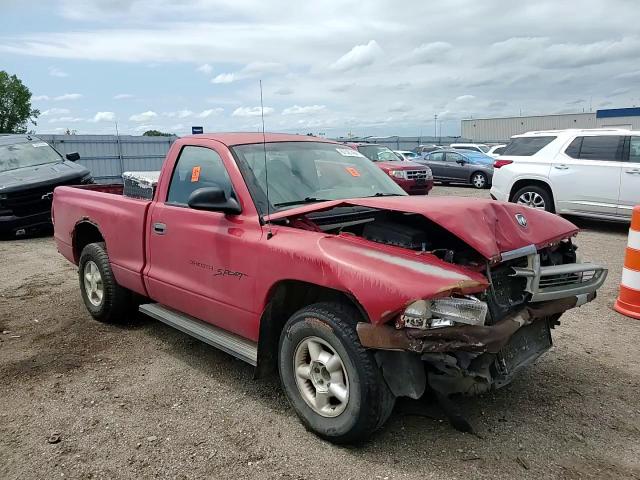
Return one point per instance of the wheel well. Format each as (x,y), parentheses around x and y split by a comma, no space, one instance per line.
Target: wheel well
(84,234)
(478,171)
(285,298)
(538,183)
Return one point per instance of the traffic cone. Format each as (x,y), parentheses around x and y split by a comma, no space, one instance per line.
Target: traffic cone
(628,302)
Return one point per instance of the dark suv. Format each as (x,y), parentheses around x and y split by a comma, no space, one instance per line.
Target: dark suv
(29,171)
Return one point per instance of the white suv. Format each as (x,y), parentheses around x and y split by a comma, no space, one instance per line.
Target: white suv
(592,173)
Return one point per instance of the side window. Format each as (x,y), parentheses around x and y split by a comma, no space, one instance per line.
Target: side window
(197,167)
(573,150)
(605,147)
(634,151)
(437,157)
(499,150)
(454,157)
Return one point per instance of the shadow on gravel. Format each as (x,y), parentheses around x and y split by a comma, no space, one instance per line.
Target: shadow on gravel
(600,226)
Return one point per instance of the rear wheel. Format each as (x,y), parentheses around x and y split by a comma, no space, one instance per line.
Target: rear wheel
(333,383)
(479,180)
(534,196)
(104,298)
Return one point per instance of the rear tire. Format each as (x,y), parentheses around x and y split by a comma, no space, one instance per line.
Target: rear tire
(333,382)
(105,300)
(535,197)
(479,180)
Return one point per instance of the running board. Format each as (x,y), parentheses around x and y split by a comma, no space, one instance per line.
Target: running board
(228,342)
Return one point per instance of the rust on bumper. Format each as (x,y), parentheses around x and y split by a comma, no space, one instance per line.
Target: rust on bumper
(471,338)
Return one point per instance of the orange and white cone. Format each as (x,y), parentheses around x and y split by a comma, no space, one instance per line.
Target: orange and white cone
(628,302)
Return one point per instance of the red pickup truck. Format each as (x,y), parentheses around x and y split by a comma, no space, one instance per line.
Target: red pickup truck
(298,255)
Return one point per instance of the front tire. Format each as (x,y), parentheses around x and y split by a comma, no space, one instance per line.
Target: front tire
(333,383)
(105,300)
(535,197)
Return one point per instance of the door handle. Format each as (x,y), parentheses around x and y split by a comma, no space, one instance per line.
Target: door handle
(633,171)
(561,167)
(159,228)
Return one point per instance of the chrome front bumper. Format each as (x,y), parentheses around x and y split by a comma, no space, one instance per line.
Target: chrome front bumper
(560,281)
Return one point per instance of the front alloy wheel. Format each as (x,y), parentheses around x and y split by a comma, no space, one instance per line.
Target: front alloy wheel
(321,377)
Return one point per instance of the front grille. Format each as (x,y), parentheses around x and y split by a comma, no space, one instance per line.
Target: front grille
(31,201)
(562,280)
(417,175)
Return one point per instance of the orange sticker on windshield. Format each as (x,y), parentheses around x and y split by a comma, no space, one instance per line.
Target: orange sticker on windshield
(195,174)
(353,171)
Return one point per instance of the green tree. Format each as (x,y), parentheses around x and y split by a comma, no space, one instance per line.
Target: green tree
(157,133)
(15,105)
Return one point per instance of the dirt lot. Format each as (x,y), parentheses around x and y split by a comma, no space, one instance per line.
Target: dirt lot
(143,401)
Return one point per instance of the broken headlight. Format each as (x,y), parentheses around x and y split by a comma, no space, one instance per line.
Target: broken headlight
(444,312)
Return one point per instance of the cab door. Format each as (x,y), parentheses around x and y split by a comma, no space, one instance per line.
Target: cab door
(586,176)
(630,178)
(198,261)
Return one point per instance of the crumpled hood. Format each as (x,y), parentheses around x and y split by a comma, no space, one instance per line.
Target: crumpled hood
(488,226)
(40,175)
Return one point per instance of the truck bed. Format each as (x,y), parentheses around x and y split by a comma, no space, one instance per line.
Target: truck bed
(120,219)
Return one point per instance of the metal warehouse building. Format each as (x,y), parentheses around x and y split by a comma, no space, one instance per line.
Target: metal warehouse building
(501,129)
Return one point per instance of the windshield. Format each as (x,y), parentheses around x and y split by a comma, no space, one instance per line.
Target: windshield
(28,154)
(306,172)
(378,153)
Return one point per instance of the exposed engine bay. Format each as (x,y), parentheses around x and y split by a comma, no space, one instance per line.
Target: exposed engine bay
(465,344)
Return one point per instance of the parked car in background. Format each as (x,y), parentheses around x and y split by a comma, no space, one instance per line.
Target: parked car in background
(406,154)
(592,172)
(478,147)
(459,166)
(496,150)
(422,149)
(414,178)
(29,171)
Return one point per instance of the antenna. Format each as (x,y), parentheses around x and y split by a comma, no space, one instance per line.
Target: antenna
(266,170)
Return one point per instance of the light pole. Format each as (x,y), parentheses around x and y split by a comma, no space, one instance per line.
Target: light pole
(435,126)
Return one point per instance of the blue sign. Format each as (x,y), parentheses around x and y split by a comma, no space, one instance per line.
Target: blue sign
(197,130)
(618,112)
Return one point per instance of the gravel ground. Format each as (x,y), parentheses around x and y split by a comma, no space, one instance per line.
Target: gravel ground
(80,399)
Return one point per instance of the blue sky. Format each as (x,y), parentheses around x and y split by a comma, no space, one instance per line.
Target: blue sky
(373,68)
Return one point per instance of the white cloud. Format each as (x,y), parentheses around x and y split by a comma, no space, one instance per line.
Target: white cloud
(39,98)
(256,68)
(306,110)
(55,111)
(143,117)
(464,98)
(429,52)
(224,78)
(358,57)
(400,107)
(205,68)
(284,91)
(122,96)
(210,112)
(104,117)
(68,96)
(184,113)
(66,120)
(251,111)
(56,72)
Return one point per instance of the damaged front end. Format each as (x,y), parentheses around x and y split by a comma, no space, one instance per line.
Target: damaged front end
(472,344)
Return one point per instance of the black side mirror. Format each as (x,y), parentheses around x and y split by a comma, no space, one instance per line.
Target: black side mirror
(213,199)
(73,156)
(461,162)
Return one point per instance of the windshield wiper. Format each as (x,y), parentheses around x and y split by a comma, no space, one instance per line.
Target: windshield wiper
(380,194)
(301,202)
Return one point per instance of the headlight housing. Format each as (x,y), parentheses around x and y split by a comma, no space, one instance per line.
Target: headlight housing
(443,312)
(398,174)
